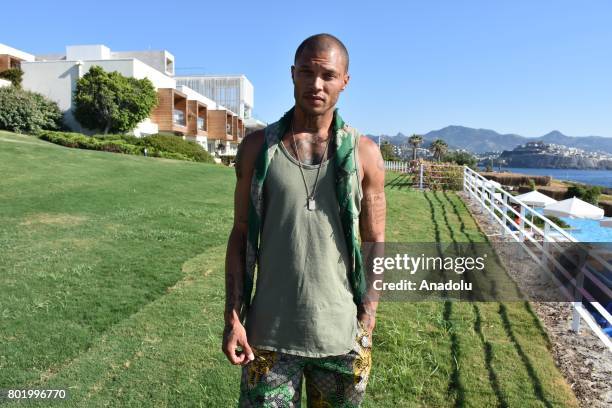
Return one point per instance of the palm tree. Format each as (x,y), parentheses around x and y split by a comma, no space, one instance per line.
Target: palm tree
(438,148)
(415,141)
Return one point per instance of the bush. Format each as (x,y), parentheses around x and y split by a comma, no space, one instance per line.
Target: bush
(532,184)
(175,144)
(460,158)
(112,102)
(24,111)
(15,75)
(165,146)
(589,194)
(592,194)
(575,191)
(175,156)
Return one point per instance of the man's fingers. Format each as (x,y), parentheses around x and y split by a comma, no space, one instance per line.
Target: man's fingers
(247,351)
(230,352)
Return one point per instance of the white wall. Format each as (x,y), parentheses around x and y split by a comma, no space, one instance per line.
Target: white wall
(57,81)
(142,70)
(155,59)
(5,49)
(4,82)
(87,52)
(191,94)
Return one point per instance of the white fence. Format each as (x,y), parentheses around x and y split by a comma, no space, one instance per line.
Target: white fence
(403,167)
(429,175)
(543,244)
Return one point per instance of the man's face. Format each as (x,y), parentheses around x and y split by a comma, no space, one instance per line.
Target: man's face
(318,79)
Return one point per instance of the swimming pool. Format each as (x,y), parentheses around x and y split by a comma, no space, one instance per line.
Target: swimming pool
(588,230)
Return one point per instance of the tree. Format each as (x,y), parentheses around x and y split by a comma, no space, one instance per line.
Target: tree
(111,102)
(15,75)
(415,141)
(24,111)
(461,158)
(386,149)
(438,148)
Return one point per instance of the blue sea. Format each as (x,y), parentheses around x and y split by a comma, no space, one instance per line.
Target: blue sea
(593,177)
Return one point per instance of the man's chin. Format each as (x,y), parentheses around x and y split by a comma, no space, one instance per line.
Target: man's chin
(315,110)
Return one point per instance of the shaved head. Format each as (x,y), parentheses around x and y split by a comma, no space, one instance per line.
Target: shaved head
(323,42)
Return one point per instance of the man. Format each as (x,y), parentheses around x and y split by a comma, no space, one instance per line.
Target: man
(309,188)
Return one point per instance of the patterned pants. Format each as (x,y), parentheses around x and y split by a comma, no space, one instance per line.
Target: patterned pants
(274,379)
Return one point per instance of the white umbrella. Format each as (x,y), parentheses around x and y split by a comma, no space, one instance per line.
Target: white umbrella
(536,199)
(606,222)
(574,208)
(492,184)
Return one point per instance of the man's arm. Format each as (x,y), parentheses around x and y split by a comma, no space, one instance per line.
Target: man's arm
(234,334)
(371,221)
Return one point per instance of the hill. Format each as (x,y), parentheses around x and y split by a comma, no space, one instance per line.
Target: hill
(486,140)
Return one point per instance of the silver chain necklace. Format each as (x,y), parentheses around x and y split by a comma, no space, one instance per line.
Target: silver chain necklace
(310,201)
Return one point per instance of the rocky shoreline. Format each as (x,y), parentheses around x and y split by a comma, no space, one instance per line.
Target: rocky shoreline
(583,360)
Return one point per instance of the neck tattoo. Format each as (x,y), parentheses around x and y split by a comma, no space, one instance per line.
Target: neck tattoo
(310,201)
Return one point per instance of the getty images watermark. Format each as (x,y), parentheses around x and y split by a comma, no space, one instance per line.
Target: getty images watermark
(488,271)
(413,264)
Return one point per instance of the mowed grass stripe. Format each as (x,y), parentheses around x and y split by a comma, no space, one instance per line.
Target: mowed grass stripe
(161,250)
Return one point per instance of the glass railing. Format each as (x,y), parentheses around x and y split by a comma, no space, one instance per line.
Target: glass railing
(201,124)
(178,117)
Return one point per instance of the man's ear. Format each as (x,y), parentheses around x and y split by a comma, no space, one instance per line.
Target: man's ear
(347,77)
(292,73)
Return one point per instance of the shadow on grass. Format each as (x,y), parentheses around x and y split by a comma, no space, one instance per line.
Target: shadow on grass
(501,399)
(402,180)
(454,385)
(537,385)
(526,306)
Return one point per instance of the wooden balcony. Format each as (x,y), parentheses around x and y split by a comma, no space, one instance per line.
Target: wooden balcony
(197,118)
(235,128)
(219,127)
(9,62)
(170,114)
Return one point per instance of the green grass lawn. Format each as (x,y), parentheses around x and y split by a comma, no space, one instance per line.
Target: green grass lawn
(111,286)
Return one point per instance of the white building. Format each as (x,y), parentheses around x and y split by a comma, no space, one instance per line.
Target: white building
(235,92)
(57,78)
(214,111)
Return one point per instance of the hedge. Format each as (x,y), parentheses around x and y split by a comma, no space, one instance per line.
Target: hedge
(29,112)
(157,145)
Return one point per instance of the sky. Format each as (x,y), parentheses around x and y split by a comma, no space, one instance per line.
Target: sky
(523,67)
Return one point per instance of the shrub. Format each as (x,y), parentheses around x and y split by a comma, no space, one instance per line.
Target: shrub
(165,146)
(15,75)
(532,184)
(460,158)
(175,144)
(24,111)
(112,102)
(589,194)
(175,156)
(592,194)
(576,191)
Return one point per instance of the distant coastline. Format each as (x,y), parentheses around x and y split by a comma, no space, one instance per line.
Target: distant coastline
(592,177)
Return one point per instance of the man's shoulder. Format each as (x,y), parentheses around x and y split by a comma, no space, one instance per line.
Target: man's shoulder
(251,144)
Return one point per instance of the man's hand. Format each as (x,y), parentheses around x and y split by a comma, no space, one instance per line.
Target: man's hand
(234,336)
(366,314)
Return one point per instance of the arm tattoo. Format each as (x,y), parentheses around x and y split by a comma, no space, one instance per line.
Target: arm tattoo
(234,296)
(375,206)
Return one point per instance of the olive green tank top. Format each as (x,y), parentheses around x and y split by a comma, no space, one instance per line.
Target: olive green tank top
(303,302)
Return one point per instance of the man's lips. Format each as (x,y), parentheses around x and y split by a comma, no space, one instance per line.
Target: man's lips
(314,98)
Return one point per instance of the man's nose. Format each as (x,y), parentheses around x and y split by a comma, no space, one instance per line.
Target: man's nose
(317,83)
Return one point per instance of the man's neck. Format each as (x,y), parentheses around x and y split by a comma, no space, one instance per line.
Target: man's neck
(316,124)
